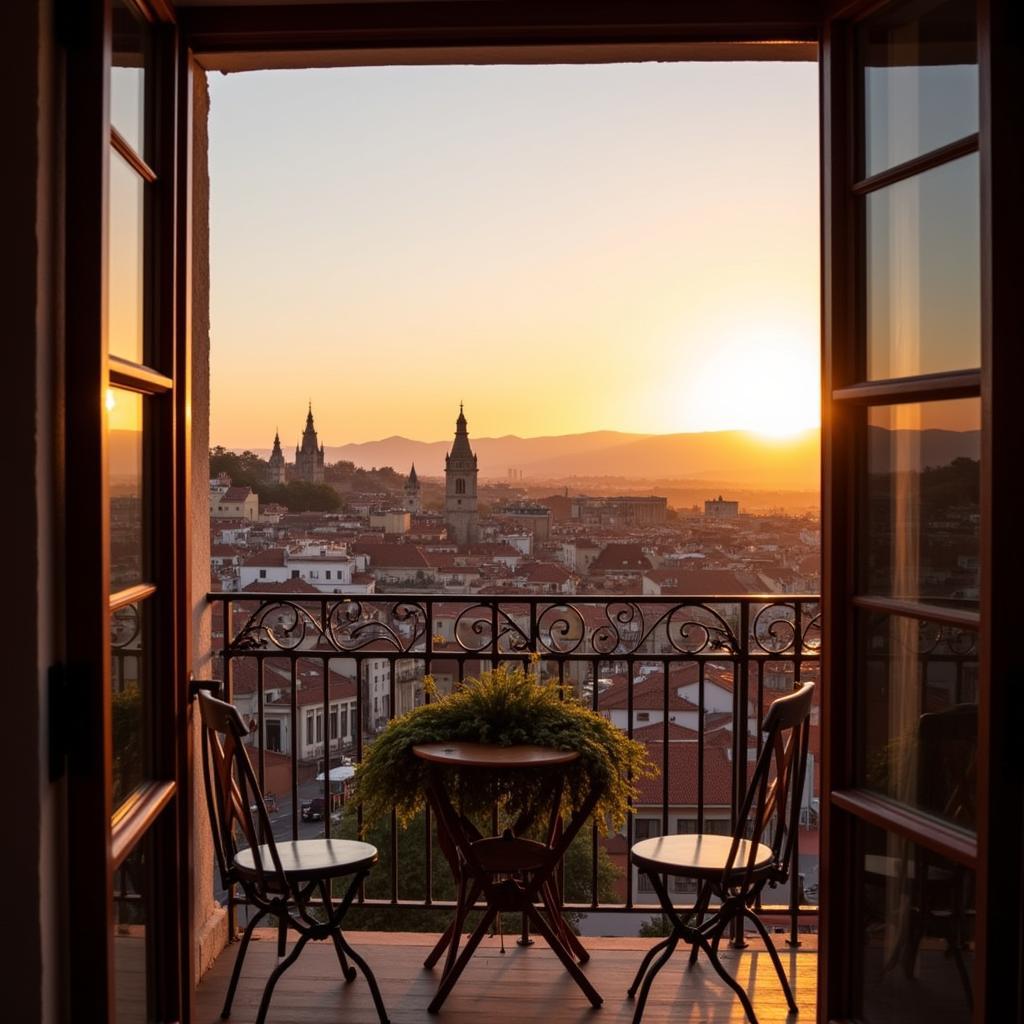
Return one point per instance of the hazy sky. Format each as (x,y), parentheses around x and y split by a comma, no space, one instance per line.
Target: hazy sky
(566,248)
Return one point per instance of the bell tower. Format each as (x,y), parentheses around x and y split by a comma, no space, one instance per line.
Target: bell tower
(460,471)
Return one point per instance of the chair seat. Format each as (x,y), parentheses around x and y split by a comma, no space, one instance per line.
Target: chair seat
(697,856)
(308,859)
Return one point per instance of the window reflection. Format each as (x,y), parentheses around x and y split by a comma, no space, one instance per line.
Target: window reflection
(921,502)
(920,80)
(128,699)
(917,929)
(124,458)
(131,913)
(923,273)
(125,285)
(128,76)
(917,687)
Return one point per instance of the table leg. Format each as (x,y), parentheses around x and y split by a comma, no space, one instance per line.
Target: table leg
(452,976)
(440,946)
(565,956)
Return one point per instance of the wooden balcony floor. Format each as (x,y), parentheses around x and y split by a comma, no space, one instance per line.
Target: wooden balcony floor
(527,986)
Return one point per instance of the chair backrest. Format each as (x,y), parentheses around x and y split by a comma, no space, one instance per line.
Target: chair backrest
(947,763)
(233,794)
(770,812)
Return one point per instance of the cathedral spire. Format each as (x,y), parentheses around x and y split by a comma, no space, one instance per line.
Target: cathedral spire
(460,470)
(309,454)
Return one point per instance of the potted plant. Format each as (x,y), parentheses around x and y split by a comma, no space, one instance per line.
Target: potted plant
(507,706)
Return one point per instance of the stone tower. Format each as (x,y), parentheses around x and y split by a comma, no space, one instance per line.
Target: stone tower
(460,487)
(309,459)
(276,473)
(413,503)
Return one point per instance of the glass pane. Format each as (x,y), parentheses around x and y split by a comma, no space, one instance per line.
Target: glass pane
(124,454)
(128,700)
(128,76)
(917,691)
(920,80)
(917,932)
(126,261)
(922,515)
(923,273)
(131,913)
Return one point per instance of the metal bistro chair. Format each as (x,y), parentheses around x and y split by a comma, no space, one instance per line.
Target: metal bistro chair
(278,879)
(734,870)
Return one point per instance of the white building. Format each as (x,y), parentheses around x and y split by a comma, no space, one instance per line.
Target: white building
(329,568)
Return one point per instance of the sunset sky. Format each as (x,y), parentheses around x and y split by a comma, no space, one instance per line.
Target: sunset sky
(569,248)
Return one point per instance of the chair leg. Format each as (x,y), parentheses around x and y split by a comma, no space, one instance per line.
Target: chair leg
(335,917)
(712,953)
(371,981)
(236,973)
(645,989)
(283,966)
(648,957)
(776,961)
(348,973)
(699,910)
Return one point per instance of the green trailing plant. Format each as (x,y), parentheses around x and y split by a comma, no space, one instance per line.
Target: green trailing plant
(506,706)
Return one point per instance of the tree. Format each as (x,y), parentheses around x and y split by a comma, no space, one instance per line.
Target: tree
(245,470)
(300,496)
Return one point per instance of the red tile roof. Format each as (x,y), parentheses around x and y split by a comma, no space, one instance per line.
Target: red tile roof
(270,558)
(705,582)
(295,586)
(617,557)
(393,556)
(683,768)
(544,572)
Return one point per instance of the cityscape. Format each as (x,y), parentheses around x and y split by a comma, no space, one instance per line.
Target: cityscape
(291,532)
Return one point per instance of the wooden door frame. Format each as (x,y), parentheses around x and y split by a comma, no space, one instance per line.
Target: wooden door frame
(87,617)
(85,32)
(999,955)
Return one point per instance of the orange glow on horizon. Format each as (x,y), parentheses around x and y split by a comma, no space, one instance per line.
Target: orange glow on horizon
(569,248)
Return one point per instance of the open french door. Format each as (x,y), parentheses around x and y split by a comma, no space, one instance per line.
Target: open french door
(921,880)
(119,693)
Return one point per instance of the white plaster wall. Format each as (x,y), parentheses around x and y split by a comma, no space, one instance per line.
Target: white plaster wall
(209,920)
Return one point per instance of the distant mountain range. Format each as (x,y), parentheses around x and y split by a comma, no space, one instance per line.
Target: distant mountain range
(729,456)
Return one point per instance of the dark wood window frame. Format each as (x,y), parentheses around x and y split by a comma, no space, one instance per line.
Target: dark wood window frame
(995,854)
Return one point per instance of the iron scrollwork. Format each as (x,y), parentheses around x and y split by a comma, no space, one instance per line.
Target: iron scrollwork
(344,626)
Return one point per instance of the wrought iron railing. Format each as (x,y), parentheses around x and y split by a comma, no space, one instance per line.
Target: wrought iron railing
(706,665)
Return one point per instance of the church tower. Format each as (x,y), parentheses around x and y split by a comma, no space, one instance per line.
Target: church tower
(460,487)
(275,465)
(309,459)
(413,503)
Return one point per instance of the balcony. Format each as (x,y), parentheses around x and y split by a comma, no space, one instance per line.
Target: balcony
(690,677)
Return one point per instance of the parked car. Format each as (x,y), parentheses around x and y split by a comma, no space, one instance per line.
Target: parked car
(313,810)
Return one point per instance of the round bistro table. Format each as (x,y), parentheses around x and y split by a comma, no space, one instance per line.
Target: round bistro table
(510,871)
